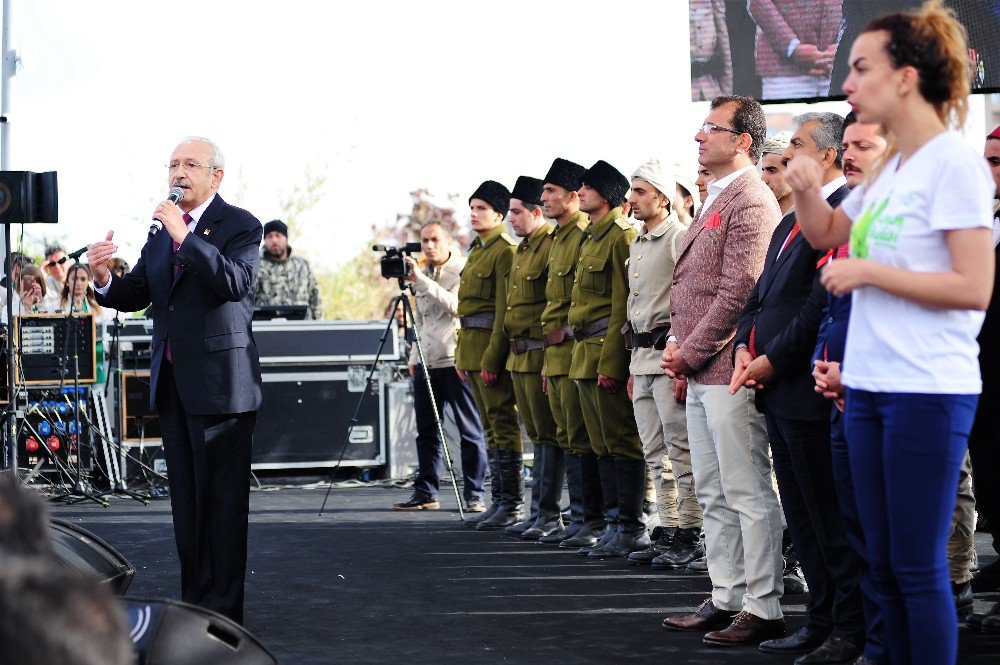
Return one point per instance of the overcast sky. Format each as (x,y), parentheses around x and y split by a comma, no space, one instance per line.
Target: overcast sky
(384,96)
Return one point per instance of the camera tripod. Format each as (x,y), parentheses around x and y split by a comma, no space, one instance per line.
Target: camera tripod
(403,300)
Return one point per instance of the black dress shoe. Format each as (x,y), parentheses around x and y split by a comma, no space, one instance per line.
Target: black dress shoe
(988,578)
(964,602)
(803,640)
(836,649)
(417,503)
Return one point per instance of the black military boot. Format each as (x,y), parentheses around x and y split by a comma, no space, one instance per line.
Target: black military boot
(549,515)
(661,538)
(493,461)
(594,526)
(512,493)
(632,535)
(574,487)
(609,494)
(537,473)
(687,547)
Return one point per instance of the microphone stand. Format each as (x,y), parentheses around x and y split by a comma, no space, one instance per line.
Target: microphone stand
(79,492)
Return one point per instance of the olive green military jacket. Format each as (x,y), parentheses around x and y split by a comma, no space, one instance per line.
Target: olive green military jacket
(526,297)
(483,290)
(600,290)
(563,255)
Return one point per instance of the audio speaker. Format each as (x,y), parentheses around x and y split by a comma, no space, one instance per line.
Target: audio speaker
(166,632)
(28,198)
(80,550)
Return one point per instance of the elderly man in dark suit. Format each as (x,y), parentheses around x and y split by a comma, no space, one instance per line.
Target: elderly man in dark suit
(199,273)
(718,264)
(774,344)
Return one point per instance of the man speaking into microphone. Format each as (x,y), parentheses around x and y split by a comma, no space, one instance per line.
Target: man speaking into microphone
(199,270)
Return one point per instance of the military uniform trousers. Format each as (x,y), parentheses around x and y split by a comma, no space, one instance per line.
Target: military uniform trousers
(564,401)
(498,411)
(533,405)
(961,544)
(662,425)
(610,421)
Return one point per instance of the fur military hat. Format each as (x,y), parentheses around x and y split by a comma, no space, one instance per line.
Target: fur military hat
(564,173)
(528,190)
(608,181)
(276,225)
(493,193)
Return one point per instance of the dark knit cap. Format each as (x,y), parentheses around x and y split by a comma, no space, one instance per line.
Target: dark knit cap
(608,181)
(493,193)
(276,225)
(564,173)
(528,190)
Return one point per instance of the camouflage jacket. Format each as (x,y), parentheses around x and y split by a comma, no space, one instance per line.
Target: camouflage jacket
(288,282)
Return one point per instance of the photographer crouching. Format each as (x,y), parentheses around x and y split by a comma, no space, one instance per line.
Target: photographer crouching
(436,314)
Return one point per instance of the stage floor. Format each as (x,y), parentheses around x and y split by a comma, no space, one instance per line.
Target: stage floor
(364,584)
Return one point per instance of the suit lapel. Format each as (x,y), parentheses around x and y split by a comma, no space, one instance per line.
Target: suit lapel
(205,230)
(718,205)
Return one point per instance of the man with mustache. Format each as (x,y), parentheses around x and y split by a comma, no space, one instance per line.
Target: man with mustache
(199,273)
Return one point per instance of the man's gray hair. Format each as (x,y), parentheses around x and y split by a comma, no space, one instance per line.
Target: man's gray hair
(828,132)
(218,159)
(53,248)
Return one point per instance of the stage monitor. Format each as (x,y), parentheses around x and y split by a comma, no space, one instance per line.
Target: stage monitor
(797,50)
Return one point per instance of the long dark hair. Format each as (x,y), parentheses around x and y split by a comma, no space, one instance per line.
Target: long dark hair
(68,284)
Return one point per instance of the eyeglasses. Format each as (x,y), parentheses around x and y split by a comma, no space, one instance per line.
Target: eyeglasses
(708,128)
(188,166)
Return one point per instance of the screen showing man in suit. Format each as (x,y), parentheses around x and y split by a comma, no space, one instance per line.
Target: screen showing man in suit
(799,48)
(198,271)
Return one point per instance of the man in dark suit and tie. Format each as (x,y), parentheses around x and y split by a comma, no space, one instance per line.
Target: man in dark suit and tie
(199,273)
(774,343)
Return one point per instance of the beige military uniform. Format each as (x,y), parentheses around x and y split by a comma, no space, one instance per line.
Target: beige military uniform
(659,417)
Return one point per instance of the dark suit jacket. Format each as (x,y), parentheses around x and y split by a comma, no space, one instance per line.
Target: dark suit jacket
(989,340)
(205,310)
(832,335)
(786,305)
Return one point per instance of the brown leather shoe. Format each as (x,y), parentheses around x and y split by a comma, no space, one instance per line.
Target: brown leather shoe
(746,628)
(706,617)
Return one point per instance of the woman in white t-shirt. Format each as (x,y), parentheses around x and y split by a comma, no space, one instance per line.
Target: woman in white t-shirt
(921,273)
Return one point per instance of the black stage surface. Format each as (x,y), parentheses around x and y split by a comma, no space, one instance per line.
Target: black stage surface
(364,584)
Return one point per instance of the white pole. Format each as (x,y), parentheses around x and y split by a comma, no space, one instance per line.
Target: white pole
(9,68)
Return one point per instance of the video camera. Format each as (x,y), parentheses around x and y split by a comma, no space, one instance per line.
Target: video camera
(393,264)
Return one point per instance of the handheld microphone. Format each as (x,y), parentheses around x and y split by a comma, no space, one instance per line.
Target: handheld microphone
(175,195)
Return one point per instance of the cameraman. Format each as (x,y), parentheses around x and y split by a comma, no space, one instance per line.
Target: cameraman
(436,314)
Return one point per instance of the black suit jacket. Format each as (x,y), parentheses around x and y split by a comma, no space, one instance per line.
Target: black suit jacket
(205,309)
(989,341)
(786,306)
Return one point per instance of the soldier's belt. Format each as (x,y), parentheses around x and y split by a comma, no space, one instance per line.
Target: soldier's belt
(654,339)
(598,327)
(525,344)
(558,336)
(481,321)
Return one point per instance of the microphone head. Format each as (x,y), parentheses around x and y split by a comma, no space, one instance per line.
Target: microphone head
(175,194)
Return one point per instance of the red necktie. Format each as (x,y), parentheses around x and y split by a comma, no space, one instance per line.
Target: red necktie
(789,239)
(187,220)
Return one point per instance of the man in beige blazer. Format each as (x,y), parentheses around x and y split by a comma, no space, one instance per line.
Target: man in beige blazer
(719,261)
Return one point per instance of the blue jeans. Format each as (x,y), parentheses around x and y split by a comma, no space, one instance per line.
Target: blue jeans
(451,391)
(906,451)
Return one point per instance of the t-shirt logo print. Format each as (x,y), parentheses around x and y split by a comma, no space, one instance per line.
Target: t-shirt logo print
(872,227)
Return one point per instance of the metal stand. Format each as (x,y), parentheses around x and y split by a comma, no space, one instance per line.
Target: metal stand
(402,300)
(79,492)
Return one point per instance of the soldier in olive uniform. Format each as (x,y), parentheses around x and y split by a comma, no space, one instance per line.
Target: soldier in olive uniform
(525,302)
(658,400)
(562,203)
(597,314)
(482,349)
